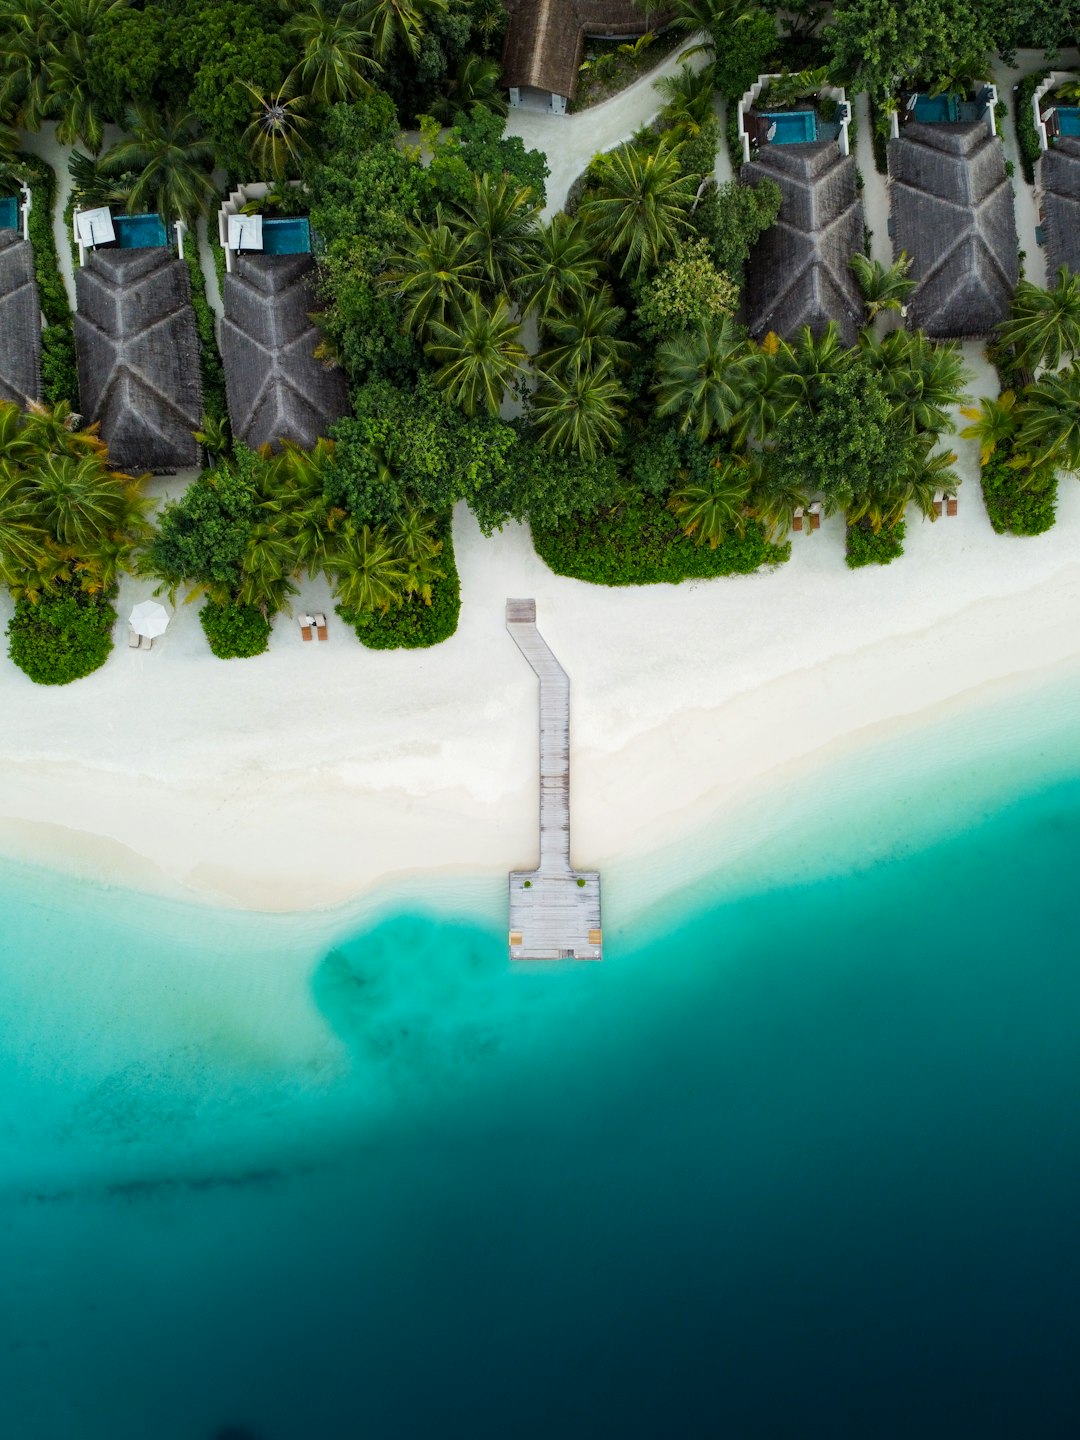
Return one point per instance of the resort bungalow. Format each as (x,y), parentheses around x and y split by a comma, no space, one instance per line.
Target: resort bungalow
(545,38)
(20,308)
(135,337)
(951,210)
(800,271)
(277,389)
(1057,187)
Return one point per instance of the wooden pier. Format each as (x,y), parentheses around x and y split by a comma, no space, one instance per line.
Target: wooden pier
(554,909)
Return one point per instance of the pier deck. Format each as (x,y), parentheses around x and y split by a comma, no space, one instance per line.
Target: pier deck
(554,909)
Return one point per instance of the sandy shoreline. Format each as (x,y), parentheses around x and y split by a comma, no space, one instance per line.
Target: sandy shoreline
(312,774)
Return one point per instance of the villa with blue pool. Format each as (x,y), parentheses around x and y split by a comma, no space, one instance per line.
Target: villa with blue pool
(276,386)
(1056,117)
(800,270)
(20,307)
(136,341)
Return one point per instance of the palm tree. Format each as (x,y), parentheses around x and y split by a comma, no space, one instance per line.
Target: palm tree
(171,162)
(560,266)
(498,223)
(478,81)
(882,506)
(921,379)
(416,541)
(688,97)
(994,423)
(805,366)
(400,24)
(336,57)
(1043,327)
(433,269)
(479,357)
(275,135)
(774,500)
(586,336)
(213,436)
(884,287)
(713,508)
(1049,429)
(640,204)
(702,377)
(367,570)
(767,399)
(579,411)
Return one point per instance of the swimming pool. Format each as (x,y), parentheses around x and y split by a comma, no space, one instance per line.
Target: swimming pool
(286,235)
(1068,122)
(937,109)
(139,232)
(791,127)
(9,212)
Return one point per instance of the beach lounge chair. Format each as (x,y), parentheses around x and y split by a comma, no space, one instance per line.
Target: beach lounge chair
(950,505)
(939,500)
(320,626)
(307,624)
(137,641)
(797,518)
(815,515)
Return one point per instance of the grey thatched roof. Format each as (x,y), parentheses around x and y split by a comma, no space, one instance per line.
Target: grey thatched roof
(800,270)
(544,39)
(139,357)
(952,211)
(277,389)
(20,321)
(1059,176)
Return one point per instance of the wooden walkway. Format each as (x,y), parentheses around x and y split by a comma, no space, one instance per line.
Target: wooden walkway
(554,909)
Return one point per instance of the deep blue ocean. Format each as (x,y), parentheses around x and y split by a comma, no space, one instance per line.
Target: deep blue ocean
(800,1158)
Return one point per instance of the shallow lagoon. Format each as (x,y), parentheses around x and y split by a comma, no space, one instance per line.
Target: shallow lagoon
(802,1156)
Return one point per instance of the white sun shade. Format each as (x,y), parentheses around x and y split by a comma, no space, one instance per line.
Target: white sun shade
(245,232)
(95,226)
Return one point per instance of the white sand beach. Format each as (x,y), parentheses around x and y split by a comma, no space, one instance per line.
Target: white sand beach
(304,777)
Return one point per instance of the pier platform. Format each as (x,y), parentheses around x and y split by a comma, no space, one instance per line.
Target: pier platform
(554,909)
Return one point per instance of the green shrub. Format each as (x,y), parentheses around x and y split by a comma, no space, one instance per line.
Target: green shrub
(1027,137)
(864,547)
(235,632)
(213,372)
(1018,503)
(414,625)
(62,637)
(880,128)
(641,543)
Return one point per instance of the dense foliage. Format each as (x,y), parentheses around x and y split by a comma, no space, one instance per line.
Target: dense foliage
(865,546)
(415,625)
(233,631)
(61,636)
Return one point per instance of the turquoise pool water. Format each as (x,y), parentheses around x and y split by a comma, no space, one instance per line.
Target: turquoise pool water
(1069,119)
(139,232)
(286,235)
(9,212)
(938,109)
(793,127)
(801,1157)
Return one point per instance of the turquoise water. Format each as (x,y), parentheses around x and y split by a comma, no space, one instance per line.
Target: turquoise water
(139,232)
(9,212)
(1069,119)
(793,127)
(802,1157)
(286,235)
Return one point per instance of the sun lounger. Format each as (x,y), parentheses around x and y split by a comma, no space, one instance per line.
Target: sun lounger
(320,626)
(797,518)
(950,505)
(137,641)
(939,500)
(307,624)
(815,515)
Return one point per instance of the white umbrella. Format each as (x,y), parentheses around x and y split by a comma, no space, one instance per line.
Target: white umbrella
(149,618)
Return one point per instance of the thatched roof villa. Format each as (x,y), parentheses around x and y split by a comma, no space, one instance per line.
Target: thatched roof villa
(277,390)
(544,41)
(1059,183)
(20,321)
(952,212)
(138,355)
(800,270)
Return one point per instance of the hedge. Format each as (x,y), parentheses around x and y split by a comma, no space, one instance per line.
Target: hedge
(213,372)
(61,637)
(235,632)
(1018,503)
(867,547)
(414,625)
(641,543)
(59,372)
(1027,137)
